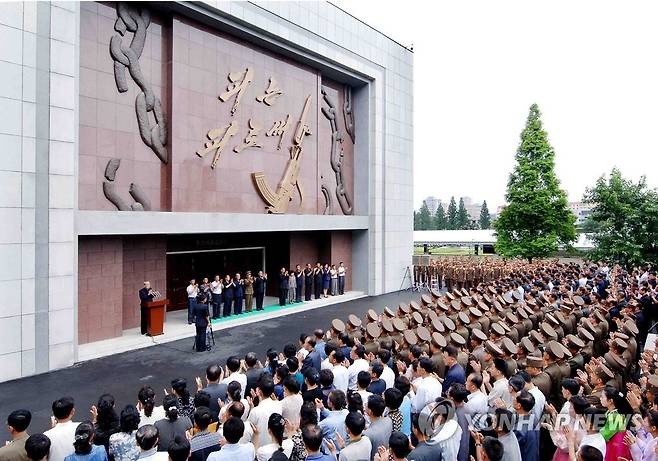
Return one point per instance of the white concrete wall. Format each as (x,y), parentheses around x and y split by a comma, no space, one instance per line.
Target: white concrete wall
(38,132)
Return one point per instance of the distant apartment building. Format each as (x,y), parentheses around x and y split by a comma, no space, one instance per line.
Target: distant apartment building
(581,211)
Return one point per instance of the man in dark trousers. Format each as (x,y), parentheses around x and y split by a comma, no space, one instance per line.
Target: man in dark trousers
(308,282)
(299,279)
(145,296)
(259,290)
(317,279)
(202,319)
(283,286)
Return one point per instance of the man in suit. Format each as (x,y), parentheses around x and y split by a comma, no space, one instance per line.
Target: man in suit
(308,282)
(145,296)
(283,286)
(317,280)
(259,289)
(202,319)
(312,359)
(299,279)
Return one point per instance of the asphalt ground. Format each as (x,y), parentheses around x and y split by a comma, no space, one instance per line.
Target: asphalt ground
(122,375)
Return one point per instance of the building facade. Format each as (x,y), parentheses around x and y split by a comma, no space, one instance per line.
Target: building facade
(165,141)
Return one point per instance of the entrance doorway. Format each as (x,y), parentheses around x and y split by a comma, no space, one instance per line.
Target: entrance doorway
(182,266)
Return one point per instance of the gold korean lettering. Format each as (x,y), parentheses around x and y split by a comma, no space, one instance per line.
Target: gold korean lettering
(279,128)
(238,83)
(251,140)
(218,137)
(271,93)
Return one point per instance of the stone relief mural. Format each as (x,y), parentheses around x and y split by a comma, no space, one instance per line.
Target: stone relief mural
(141,203)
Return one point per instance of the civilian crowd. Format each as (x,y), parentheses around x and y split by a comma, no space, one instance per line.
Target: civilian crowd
(546,362)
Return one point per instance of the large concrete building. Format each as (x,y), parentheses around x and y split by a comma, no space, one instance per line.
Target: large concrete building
(169,140)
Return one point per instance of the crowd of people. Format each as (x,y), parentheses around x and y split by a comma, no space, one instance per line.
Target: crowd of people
(231,294)
(548,361)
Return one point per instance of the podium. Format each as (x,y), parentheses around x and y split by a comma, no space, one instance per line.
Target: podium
(155,315)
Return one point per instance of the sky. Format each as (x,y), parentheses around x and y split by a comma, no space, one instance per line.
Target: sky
(591,66)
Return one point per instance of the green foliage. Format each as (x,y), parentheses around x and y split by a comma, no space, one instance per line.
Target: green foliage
(416,220)
(485,218)
(452,214)
(624,220)
(462,219)
(536,219)
(424,218)
(440,221)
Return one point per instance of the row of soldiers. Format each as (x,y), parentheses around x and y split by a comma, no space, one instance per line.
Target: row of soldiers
(491,320)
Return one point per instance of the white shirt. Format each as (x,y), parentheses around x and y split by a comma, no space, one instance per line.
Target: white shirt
(388,376)
(216,287)
(356,451)
(239,377)
(500,389)
(427,391)
(595,440)
(245,415)
(341,271)
(477,405)
(341,377)
(540,401)
(304,353)
(261,414)
(156,456)
(290,407)
(354,369)
(192,291)
(246,437)
(265,453)
(326,365)
(61,438)
(157,414)
(234,452)
(364,396)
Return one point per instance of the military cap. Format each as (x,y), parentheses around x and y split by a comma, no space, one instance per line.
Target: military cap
(630,328)
(602,369)
(505,327)
(483,307)
(623,336)
(478,334)
(492,290)
(426,299)
(449,324)
(614,361)
(388,312)
(516,295)
(404,307)
(566,351)
(456,304)
(534,361)
(486,299)
(475,312)
(578,300)
(513,319)
(508,345)
(438,326)
(599,315)
(443,306)
(545,299)
(493,348)
(531,302)
(450,296)
(559,316)
(620,343)
(410,337)
(373,330)
(337,325)
(548,331)
(527,344)
(552,319)
(463,318)
(399,325)
(523,314)
(415,306)
(387,325)
(501,300)
(555,349)
(431,315)
(575,341)
(536,337)
(588,325)
(423,334)
(436,293)
(418,318)
(653,382)
(354,320)
(457,340)
(585,334)
(498,329)
(467,300)
(499,307)
(439,340)
(509,299)
(464,292)
(372,315)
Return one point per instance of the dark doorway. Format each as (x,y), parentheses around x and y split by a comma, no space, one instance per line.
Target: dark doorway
(183,266)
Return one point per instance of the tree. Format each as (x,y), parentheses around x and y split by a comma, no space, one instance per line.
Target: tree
(416,220)
(452,214)
(440,221)
(536,218)
(485,219)
(424,218)
(462,219)
(624,219)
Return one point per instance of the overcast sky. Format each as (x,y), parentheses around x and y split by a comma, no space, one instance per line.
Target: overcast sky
(592,66)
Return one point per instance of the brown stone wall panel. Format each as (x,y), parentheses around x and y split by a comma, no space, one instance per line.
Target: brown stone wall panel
(341,250)
(108,124)
(202,60)
(99,302)
(304,247)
